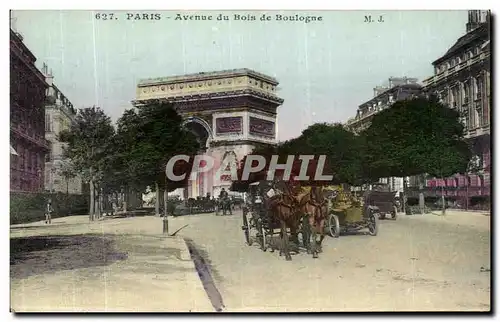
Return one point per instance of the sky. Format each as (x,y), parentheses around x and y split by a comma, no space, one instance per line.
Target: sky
(326,69)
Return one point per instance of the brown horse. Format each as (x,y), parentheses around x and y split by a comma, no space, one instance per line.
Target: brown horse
(284,207)
(315,206)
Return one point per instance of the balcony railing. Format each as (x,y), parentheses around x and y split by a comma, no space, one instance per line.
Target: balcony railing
(30,135)
(439,76)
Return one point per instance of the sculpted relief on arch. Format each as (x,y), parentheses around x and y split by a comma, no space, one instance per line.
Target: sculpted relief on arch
(229,125)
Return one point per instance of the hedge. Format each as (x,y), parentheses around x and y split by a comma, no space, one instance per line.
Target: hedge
(30,207)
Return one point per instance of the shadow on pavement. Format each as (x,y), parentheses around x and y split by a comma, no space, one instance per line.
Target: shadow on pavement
(205,271)
(45,254)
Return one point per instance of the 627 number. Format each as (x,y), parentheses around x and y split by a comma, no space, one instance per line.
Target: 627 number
(105,16)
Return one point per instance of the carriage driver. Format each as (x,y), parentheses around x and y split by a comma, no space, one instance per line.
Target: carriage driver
(224,197)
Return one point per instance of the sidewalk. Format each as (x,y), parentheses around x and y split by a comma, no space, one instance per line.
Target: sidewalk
(460,218)
(120,265)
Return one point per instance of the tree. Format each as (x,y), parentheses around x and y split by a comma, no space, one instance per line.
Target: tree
(121,175)
(341,147)
(159,136)
(88,142)
(66,170)
(414,137)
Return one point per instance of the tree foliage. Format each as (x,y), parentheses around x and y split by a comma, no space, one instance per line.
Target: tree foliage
(414,137)
(146,139)
(88,141)
(341,148)
(66,169)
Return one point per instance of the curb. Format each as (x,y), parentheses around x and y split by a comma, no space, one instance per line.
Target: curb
(185,254)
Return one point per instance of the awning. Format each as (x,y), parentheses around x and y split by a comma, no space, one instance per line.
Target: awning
(13,151)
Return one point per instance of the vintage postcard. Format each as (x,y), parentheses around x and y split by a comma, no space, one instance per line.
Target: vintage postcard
(250,161)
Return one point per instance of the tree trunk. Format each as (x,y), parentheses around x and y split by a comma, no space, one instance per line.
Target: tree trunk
(125,199)
(157,201)
(443,210)
(402,196)
(96,203)
(99,203)
(91,210)
(165,216)
(165,202)
(67,188)
(421,197)
(467,193)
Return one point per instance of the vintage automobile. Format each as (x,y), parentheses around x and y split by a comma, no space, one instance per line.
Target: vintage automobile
(347,213)
(381,197)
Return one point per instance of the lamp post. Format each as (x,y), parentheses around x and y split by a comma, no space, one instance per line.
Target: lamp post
(165,203)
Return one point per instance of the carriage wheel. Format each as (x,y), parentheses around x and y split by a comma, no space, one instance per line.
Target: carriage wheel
(394,212)
(246,229)
(334,226)
(373,224)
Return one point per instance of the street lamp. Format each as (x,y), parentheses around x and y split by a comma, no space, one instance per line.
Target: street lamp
(165,202)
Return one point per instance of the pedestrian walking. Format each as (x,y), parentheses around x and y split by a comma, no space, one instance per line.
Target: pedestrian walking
(48,211)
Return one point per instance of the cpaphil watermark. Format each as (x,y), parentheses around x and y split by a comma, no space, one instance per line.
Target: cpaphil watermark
(228,168)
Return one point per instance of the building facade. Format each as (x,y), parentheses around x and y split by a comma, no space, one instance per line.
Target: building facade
(230,111)
(59,115)
(27,119)
(462,81)
(400,88)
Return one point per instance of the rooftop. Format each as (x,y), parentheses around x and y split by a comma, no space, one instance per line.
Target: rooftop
(392,90)
(465,40)
(207,75)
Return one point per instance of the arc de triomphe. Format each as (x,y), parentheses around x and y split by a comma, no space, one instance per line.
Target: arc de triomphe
(230,111)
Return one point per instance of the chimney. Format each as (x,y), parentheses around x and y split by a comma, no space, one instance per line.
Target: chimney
(48,76)
(476,18)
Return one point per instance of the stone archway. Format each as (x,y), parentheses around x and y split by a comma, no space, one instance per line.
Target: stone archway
(200,128)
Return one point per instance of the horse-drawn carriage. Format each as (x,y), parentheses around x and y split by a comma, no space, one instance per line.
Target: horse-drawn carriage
(256,217)
(201,205)
(273,208)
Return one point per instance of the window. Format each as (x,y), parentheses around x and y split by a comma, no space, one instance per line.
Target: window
(48,127)
(472,118)
(479,87)
(480,116)
(474,87)
(466,92)
(486,112)
(13,161)
(453,97)
(34,165)
(48,156)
